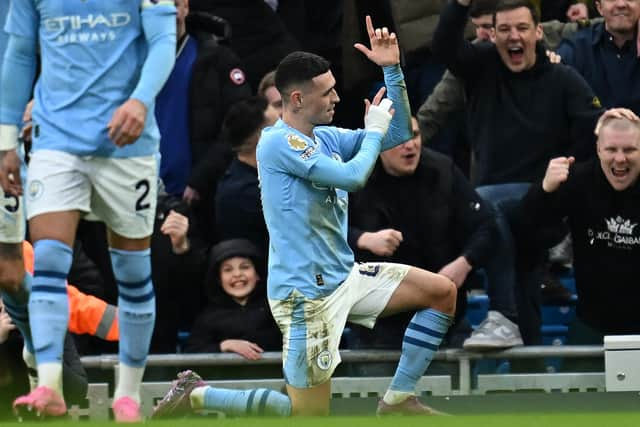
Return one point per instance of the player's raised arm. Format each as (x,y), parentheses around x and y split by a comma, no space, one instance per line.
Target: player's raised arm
(352,175)
(159,25)
(385,52)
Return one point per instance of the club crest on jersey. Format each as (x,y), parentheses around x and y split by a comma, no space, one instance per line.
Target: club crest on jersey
(324,360)
(296,143)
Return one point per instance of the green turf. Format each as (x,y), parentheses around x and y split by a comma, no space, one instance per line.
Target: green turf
(617,419)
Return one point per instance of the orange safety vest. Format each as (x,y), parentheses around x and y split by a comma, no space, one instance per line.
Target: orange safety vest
(87,314)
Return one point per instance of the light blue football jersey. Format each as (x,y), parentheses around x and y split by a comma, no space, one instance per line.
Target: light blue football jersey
(92,52)
(4,10)
(307,222)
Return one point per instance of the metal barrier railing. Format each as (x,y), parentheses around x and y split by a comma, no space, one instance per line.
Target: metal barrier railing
(348,387)
(461,357)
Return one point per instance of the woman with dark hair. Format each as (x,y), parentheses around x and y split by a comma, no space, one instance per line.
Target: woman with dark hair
(237,318)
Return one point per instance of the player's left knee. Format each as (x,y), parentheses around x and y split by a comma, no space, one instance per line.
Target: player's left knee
(446,295)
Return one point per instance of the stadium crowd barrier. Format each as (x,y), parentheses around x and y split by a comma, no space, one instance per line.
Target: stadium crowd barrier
(353,387)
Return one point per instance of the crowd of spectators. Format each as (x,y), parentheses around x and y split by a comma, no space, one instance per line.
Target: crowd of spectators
(491,115)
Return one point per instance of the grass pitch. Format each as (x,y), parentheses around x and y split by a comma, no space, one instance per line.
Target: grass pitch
(618,419)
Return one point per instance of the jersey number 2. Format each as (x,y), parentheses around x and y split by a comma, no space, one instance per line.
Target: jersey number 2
(140,203)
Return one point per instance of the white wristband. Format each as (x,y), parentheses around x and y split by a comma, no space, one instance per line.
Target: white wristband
(8,137)
(378,118)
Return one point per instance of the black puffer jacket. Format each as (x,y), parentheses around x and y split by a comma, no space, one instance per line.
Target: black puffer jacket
(224,318)
(216,84)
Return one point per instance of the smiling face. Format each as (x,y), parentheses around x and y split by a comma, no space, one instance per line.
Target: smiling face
(619,153)
(620,16)
(403,159)
(238,278)
(318,99)
(516,35)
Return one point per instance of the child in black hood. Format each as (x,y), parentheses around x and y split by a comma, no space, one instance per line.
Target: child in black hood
(237,318)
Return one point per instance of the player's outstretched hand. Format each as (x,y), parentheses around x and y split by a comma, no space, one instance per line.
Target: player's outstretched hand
(557,173)
(127,123)
(384,45)
(10,173)
(176,227)
(246,349)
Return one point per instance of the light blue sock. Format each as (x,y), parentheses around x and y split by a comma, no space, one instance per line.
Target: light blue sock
(48,303)
(256,402)
(136,304)
(17,305)
(420,343)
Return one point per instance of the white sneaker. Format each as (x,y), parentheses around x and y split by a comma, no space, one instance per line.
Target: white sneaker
(495,332)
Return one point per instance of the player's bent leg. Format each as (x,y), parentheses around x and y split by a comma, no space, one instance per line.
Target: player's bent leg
(310,401)
(434,296)
(422,289)
(131,261)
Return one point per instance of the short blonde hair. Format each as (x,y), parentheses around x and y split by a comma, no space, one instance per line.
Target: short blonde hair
(617,123)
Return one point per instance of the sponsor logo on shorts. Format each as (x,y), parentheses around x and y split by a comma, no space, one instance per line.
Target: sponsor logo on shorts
(324,360)
(36,188)
(369,269)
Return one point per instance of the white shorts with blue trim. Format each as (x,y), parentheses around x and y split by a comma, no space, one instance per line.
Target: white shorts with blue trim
(312,328)
(121,192)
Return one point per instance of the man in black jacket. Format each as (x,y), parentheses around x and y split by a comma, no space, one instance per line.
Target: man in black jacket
(206,80)
(521,111)
(418,208)
(601,200)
